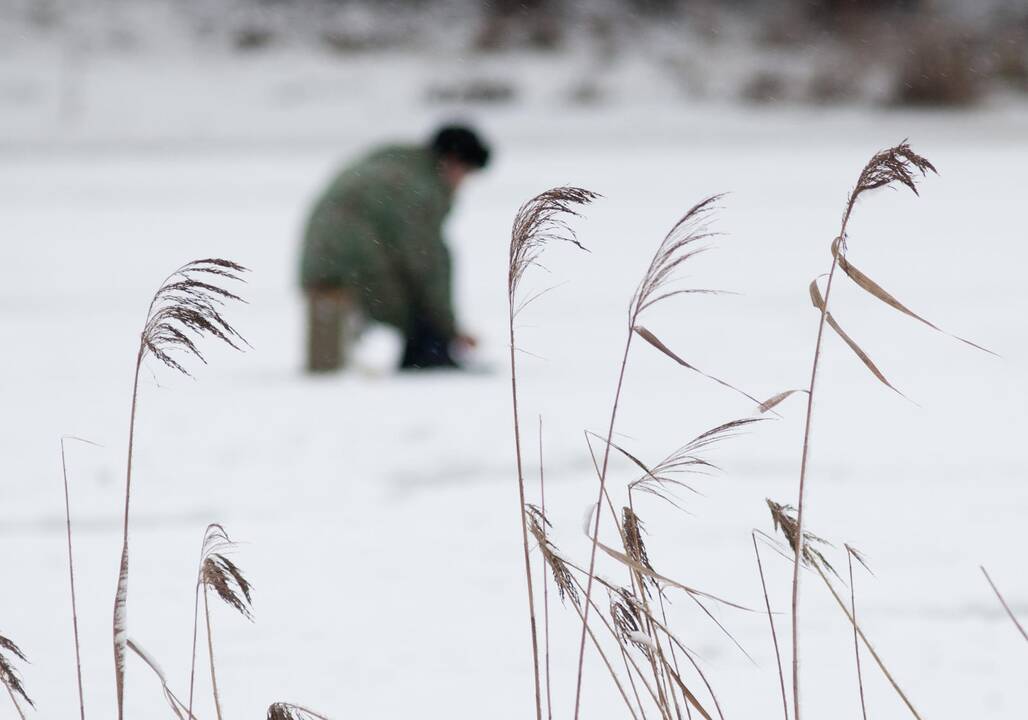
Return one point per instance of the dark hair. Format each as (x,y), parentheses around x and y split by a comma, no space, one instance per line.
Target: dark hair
(462,144)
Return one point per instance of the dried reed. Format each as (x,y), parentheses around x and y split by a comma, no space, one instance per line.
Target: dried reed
(186,308)
(896,165)
(216,572)
(538,222)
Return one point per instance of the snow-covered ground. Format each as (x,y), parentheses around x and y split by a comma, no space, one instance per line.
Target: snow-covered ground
(378,514)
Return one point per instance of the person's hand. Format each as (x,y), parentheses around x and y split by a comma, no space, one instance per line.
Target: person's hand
(465,341)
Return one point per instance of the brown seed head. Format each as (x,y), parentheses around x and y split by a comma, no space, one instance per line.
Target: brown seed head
(188,307)
(784,518)
(562,578)
(223,576)
(9,675)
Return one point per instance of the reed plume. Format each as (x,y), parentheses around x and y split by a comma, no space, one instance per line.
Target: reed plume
(186,308)
(217,573)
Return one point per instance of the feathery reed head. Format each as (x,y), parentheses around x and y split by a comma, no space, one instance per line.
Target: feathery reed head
(784,518)
(676,247)
(221,574)
(661,480)
(288,711)
(537,524)
(897,164)
(9,675)
(187,307)
(539,221)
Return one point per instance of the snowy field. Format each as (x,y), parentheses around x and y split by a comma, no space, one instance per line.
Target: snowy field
(378,515)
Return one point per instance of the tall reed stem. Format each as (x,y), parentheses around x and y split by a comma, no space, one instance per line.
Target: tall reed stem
(596,523)
(524,521)
(799,504)
(210,654)
(121,594)
(71,579)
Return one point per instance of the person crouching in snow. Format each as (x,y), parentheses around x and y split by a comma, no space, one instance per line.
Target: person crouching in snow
(373,248)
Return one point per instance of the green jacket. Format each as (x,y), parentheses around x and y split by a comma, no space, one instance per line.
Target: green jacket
(377,229)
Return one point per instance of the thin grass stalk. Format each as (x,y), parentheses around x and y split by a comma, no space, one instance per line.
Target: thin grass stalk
(596,524)
(631,681)
(771,622)
(867,643)
(71,580)
(671,646)
(856,643)
(524,521)
(210,654)
(1004,603)
(546,582)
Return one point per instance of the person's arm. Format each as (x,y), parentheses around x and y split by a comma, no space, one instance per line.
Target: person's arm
(424,263)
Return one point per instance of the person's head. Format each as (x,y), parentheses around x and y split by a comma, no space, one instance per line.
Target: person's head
(459,151)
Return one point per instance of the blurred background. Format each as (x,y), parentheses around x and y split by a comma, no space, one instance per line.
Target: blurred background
(302,66)
(378,511)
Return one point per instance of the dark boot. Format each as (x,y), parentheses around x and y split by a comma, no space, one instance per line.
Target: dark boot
(426,349)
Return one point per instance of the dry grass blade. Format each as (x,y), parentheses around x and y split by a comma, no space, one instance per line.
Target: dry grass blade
(180,710)
(9,675)
(653,575)
(656,342)
(288,711)
(819,303)
(867,643)
(1003,602)
(776,400)
(538,222)
(876,290)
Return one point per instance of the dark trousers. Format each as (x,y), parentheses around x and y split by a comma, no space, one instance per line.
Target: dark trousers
(425,348)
